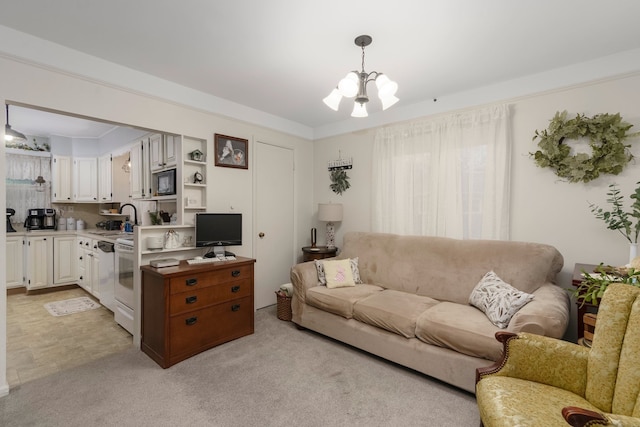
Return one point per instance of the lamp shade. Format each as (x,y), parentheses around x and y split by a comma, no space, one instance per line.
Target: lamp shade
(329,212)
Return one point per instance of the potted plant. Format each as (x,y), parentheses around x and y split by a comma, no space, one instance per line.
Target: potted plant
(594,284)
(626,223)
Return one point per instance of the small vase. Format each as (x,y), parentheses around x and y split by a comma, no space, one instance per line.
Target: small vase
(633,251)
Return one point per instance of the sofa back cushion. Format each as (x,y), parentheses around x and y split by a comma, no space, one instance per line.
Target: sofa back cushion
(448,269)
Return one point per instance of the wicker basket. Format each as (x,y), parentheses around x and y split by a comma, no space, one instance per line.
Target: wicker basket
(284,307)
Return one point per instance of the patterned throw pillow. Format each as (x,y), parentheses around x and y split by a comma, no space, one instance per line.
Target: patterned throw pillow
(338,273)
(498,299)
(354,271)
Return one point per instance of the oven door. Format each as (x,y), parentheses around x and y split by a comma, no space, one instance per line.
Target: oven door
(124,274)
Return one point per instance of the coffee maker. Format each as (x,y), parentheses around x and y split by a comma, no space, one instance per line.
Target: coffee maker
(49,219)
(35,219)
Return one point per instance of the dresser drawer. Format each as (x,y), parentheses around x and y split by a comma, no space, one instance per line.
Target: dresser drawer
(201,329)
(194,299)
(201,280)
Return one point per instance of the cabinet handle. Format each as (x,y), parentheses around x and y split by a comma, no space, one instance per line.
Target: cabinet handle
(191,299)
(235,289)
(191,321)
(235,307)
(235,273)
(192,282)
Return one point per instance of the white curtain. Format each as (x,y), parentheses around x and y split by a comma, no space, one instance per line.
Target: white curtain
(23,192)
(448,176)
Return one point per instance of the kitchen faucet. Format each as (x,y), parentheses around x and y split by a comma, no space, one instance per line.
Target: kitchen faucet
(135,212)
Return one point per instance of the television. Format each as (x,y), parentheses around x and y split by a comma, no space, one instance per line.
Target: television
(218,230)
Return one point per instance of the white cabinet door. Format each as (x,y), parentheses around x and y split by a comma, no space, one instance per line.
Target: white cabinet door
(39,262)
(61,182)
(15,266)
(162,152)
(139,178)
(64,260)
(105,186)
(85,178)
(95,275)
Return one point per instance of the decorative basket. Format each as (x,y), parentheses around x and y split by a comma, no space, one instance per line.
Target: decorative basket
(283,307)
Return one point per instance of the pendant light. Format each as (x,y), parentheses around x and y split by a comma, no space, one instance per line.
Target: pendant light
(355,84)
(40,180)
(11,135)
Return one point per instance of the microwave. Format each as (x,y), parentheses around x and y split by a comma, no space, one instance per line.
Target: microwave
(165,182)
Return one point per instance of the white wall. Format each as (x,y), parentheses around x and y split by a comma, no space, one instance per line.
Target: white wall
(543,209)
(37,86)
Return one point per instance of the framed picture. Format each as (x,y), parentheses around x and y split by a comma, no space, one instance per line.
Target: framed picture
(231,152)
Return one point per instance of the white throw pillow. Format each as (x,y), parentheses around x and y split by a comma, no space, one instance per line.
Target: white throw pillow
(338,273)
(498,300)
(354,271)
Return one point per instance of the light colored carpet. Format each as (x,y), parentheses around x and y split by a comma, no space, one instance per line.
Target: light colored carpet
(279,376)
(71,306)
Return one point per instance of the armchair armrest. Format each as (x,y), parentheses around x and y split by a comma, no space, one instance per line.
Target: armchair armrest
(541,359)
(580,417)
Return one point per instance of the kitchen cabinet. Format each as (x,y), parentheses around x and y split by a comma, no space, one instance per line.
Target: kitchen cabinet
(140,179)
(14,261)
(162,152)
(88,265)
(85,179)
(105,185)
(65,269)
(61,182)
(39,260)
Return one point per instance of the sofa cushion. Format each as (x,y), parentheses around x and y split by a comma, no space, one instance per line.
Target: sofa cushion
(354,270)
(392,310)
(339,301)
(459,327)
(498,299)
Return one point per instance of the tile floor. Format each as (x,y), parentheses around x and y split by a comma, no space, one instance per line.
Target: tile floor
(39,344)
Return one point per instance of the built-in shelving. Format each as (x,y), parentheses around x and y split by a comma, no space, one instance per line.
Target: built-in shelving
(194,194)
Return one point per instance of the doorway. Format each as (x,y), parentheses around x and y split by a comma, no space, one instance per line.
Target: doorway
(274,242)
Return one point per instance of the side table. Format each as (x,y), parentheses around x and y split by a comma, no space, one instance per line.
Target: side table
(309,253)
(582,308)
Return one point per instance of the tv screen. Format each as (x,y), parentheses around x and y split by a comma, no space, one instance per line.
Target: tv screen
(218,229)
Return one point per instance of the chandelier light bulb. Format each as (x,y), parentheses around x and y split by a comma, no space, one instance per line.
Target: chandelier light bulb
(388,101)
(359,110)
(348,86)
(386,87)
(333,99)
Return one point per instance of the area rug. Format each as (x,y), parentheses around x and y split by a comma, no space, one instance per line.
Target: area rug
(71,306)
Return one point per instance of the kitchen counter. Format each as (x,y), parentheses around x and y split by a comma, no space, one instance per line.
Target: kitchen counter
(94,233)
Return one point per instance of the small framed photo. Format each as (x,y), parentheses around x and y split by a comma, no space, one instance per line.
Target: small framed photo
(231,152)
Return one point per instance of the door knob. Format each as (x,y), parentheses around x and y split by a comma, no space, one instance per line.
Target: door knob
(261,235)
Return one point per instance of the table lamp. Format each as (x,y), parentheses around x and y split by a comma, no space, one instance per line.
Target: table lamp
(330,213)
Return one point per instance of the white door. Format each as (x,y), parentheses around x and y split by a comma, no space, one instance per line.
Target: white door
(274,221)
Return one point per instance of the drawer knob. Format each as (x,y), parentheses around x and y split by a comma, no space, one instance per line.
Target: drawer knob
(191,299)
(235,273)
(235,288)
(192,282)
(235,307)
(191,321)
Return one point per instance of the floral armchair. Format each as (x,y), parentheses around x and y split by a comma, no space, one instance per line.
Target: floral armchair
(542,381)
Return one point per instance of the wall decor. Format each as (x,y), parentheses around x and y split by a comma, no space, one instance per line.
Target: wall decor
(197,156)
(231,152)
(606,134)
(339,181)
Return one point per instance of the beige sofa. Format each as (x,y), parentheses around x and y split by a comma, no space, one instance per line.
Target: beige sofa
(412,307)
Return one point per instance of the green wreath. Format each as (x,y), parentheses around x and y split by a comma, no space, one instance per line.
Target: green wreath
(340,181)
(606,133)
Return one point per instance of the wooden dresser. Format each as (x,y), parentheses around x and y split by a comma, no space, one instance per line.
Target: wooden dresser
(187,309)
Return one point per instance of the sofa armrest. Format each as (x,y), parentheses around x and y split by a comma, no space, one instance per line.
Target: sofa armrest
(303,276)
(541,359)
(580,417)
(547,314)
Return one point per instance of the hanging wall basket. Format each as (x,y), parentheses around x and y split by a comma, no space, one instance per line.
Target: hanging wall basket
(606,134)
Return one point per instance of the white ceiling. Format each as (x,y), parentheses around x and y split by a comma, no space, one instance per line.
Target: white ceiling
(283,56)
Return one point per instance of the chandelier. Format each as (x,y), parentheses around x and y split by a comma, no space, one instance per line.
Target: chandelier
(355,84)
